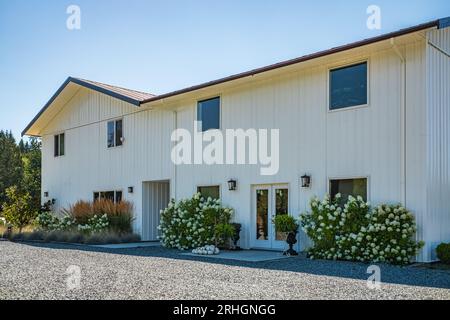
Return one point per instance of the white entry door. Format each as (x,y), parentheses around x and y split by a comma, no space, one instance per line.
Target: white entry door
(268,201)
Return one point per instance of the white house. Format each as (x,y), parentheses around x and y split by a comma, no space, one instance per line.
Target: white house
(370,118)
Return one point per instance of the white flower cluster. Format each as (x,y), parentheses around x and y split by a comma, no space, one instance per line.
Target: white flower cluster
(95,224)
(206,250)
(186,224)
(355,232)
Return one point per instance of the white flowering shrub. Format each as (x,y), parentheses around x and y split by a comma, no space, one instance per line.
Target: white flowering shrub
(195,222)
(95,224)
(49,222)
(358,233)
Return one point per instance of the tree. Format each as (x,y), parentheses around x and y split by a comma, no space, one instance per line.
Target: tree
(32,171)
(18,209)
(11,166)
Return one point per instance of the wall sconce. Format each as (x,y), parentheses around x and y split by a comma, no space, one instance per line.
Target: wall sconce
(53,201)
(46,194)
(130,189)
(306,181)
(232,185)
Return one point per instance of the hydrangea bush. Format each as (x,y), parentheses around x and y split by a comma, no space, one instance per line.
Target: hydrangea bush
(195,222)
(357,232)
(50,222)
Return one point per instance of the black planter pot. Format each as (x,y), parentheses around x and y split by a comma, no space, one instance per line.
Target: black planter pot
(291,239)
(236,235)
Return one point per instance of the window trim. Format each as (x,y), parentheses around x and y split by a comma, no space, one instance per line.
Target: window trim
(206,98)
(100,192)
(209,186)
(340,65)
(114,139)
(59,144)
(367,177)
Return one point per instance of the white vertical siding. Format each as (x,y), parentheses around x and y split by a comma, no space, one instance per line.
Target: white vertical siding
(437,226)
(88,165)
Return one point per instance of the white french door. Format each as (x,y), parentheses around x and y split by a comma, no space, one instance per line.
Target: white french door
(267,202)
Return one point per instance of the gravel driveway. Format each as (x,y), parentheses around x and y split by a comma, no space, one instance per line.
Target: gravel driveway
(38,271)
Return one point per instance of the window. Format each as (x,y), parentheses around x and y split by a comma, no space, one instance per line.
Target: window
(115,133)
(208,112)
(114,196)
(347,187)
(210,191)
(348,86)
(59,145)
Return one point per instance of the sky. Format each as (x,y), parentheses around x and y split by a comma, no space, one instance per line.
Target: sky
(161,46)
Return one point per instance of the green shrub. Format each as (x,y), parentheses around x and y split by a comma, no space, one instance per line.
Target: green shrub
(17,237)
(443,252)
(191,223)
(111,238)
(285,223)
(18,209)
(355,232)
(35,236)
(75,237)
(52,236)
(94,239)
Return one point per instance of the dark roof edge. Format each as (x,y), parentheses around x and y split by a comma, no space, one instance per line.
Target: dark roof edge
(83,84)
(440,23)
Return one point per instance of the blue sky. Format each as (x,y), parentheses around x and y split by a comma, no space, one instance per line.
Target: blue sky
(160,46)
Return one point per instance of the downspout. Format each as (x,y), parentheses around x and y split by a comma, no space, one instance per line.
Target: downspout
(403,122)
(175,120)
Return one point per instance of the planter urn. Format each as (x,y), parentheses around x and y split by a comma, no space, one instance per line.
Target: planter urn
(291,239)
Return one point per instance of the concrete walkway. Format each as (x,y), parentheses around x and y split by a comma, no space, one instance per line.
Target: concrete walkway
(244,255)
(128,245)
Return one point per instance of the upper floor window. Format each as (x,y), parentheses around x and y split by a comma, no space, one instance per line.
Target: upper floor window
(208,112)
(349,187)
(59,145)
(212,192)
(348,86)
(115,133)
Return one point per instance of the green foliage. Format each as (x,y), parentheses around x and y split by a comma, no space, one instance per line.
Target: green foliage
(357,232)
(443,252)
(285,223)
(195,222)
(17,208)
(11,166)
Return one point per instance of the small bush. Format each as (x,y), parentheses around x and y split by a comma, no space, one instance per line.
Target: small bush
(52,236)
(75,238)
(35,236)
(285,223)
(130,238)
(111,238)
(17,237)
(94,239)
(443,252)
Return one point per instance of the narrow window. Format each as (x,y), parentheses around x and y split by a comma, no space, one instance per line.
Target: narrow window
(59,144)
(96,196)
(118,196)
(118,133)
(209,191)
(348,86)
(115,133)
(347,187)
(208,112)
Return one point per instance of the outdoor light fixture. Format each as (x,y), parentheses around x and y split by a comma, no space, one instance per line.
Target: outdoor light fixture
(130,189)
(46,194)
(232,185)
(53,201)
(306,181)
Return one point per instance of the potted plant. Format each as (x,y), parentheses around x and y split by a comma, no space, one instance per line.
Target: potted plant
(286,224)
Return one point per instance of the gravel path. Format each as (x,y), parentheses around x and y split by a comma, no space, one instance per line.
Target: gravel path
(38,271)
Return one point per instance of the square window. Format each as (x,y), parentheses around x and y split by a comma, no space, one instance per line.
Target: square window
(348,86)
(209,191)
(208,112)
(347,187)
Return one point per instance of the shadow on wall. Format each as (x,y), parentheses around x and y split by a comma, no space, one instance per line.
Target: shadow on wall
(412,276)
